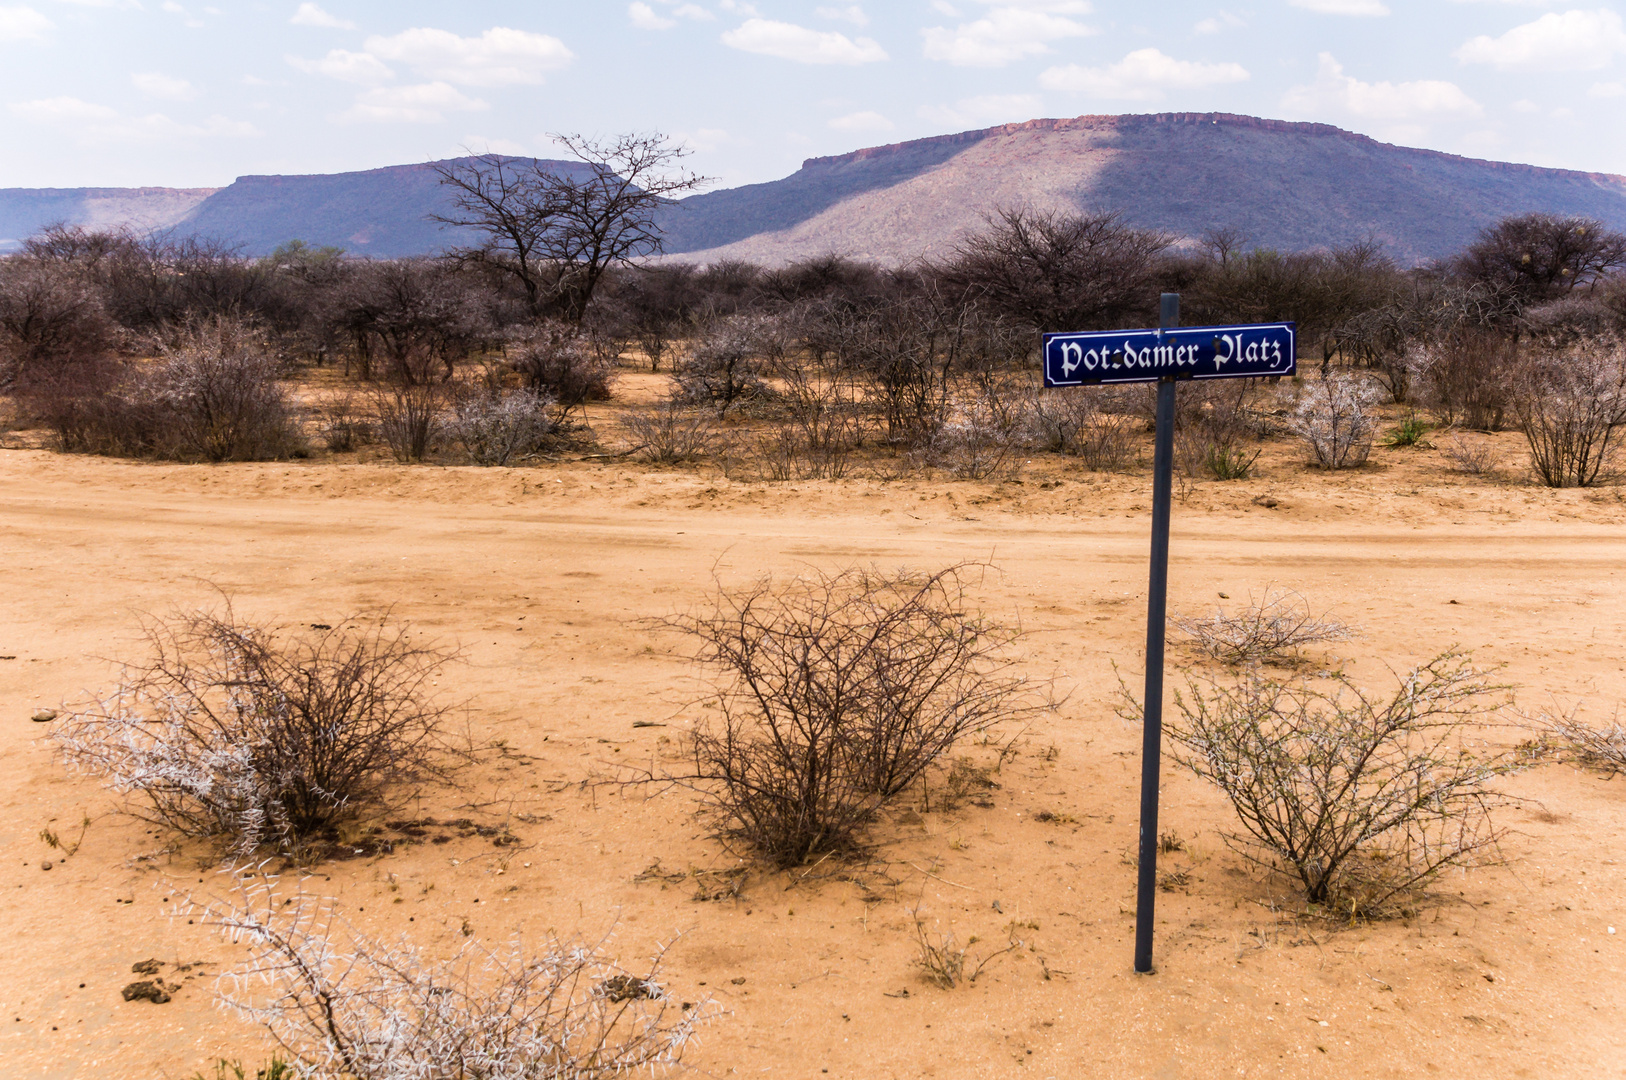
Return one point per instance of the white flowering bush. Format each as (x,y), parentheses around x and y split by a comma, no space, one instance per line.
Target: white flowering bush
(343,1005)
(1337,418)
(233,732)
(495,429)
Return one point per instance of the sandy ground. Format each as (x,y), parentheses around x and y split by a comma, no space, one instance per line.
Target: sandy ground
(541,574)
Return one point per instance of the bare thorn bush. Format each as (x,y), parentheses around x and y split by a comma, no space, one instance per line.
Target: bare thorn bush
(1269,629)
(1572,410)
(1337,419)
(944,962)
(1361,800)
(502,427)
(1475,457)
(411,419)
(672,434)
(343,424)
(833,694)
(1602,748)
(240,734)
(343,1005)
(974,445)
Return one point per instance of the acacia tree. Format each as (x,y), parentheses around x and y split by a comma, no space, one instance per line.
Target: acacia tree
(557,227)
(1056,270)
(1541,256)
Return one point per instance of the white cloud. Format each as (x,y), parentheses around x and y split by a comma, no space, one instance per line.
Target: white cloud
(60,110)
(644,18)
(1143,75)
(498,57)
(22,24)
(158,85)
(1606,90)
(790,42)
(425,103)
(738,7)
(862,121)
(97,124)
(1526,106)
(311,15)
(1574,40)
(1400,110)
(852,13)
(1223,21)
(346,66)
(1342,7)
(984,109)
(692,11)
(1009,31)
(104,3)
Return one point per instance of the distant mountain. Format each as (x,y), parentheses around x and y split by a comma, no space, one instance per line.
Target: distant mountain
(383,212)
(25,211)
(1284,185)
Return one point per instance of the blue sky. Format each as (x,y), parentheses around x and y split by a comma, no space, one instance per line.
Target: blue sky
(184,93)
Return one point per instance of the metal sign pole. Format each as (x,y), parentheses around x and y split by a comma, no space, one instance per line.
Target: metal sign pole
(1156,614)
(1171,352)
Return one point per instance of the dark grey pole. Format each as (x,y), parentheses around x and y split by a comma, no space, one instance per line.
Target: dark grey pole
(1156,612)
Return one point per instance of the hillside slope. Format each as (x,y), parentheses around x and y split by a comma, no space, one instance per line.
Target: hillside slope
(1285,185)
(383,212)
(25,211)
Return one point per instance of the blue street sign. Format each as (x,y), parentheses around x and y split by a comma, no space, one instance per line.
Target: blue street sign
(1190,352)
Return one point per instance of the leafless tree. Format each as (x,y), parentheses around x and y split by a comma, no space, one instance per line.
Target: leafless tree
(1540,256)
(1059,271)
(556,227)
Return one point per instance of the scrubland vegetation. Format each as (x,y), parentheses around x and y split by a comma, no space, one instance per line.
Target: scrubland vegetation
(831,696)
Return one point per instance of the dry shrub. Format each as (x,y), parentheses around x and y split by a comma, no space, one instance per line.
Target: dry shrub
(1474,457)
(1337,418)
(348,1007)
(51,320)
(834,693)
(343,424)
(1213,427)
(1360,799)
(1467,379)
(790,452)
(214,394)
(1601,748)
(557,362)
(234,732)
(411,418)
(1572,410)
(944,962)
(670,434)
(220,389)
(974,444)
(497,428)
(1098,425)
(728,358)
(1268,629)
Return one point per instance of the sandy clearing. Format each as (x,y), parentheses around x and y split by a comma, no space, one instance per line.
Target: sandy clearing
(541,575)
